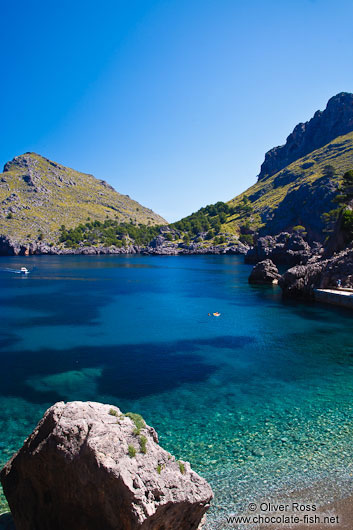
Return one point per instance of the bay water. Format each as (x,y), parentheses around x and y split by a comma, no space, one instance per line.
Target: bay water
(257,400)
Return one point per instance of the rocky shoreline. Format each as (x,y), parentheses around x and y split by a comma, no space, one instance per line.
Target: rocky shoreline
(158,246)
(308,266)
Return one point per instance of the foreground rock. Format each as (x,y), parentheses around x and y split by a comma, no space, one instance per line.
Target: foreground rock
(300,281)
(264,272)
(88,467)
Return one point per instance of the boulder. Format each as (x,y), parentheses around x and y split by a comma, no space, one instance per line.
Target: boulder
(87,466)
(264,272)
(157,242)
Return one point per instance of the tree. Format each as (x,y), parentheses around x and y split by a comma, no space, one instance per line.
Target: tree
(329,171)
(299,229)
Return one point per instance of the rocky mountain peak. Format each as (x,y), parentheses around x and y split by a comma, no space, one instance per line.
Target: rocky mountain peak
(42,194)
(19,162)
(334,121)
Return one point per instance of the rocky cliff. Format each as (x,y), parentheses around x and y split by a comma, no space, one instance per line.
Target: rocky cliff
(37,196)
(283,249)
(299,181)
(87,466)
(299,194)
(300,281)
(336,120)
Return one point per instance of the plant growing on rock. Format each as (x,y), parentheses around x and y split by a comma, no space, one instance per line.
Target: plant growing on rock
(138,421)
(143,442)
(299,229)
(182,467)
(160,468)
(113,412)
(132,451)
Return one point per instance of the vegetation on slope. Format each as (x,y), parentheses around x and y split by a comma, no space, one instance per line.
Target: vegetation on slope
(297,195)
(108,233)
(38,196)
(43,200)
(205,224)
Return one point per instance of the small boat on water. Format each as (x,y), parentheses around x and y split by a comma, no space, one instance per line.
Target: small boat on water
(216,314)
(24,270)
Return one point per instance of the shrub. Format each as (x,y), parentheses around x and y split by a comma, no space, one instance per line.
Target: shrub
(132,451)
(329,219)
(247,239)
(113,412)
(159,469)
(138,421)
(143,442)
(347,224)
(299,229)
(329,171)
(181,467)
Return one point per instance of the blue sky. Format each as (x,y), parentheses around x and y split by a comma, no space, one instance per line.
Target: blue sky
(174,102)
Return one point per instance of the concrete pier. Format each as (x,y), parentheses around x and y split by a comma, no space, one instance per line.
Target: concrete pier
(340,297)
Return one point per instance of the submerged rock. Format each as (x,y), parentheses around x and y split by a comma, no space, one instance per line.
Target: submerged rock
(264,272)
(87,466)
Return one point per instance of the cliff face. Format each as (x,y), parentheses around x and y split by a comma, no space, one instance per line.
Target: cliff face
(336,120)
(37,196)
(298,194)
(300,281)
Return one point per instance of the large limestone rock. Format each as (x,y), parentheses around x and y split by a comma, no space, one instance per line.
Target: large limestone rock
(264,272)
(88,467)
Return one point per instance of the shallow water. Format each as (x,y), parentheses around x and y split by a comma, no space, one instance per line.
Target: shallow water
(257,400)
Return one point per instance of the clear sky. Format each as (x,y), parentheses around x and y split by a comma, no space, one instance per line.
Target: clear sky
(174,102)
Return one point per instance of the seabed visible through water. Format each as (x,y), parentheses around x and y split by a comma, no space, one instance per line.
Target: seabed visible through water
(259,400)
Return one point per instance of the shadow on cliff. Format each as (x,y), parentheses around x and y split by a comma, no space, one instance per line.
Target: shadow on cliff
(6,522)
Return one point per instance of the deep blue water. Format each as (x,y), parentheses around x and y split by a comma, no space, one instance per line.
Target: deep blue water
(257,399)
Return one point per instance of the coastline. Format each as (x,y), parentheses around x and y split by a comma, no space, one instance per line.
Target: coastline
(325,507)
(11,248)
(336,513)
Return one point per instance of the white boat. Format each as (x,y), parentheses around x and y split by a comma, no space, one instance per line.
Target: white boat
(24,270)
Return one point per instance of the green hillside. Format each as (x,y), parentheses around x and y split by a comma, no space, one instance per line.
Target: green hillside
(38,196)
(297,195)
(300,194)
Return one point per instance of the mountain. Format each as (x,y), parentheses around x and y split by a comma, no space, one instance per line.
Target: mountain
(297,186)
(299,194)
(38,196)
(336,120)
(299,181)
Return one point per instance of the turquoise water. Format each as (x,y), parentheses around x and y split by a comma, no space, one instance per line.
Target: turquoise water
(257,400)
